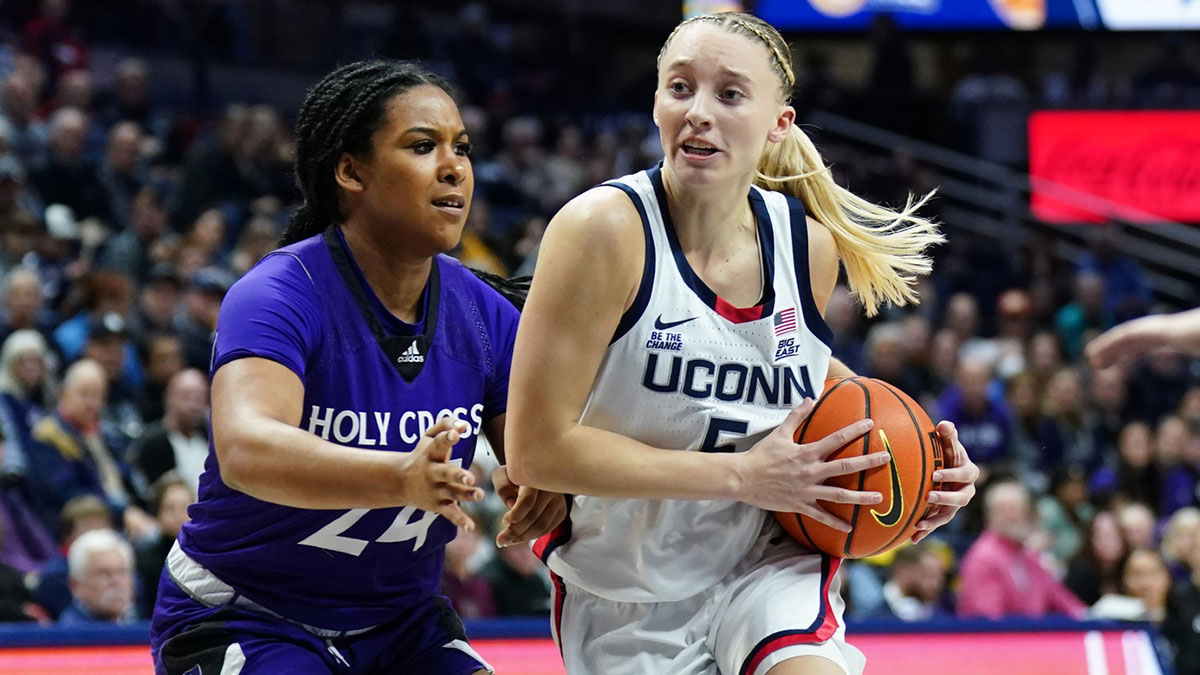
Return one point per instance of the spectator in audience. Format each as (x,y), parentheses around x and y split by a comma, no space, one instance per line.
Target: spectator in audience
(16,602)
(25,543)
(844,318)
(1137,524)
(1183,615)
(76,460)
(170,498)
(885,358)
(67,177)
(1138,477)
(24,307)
(51,37)
(196,323)
(1126,294)
(27,392)
(26,136)
(179,441)
(99,293)
(1181,534)
(163,353)
(982,418)
(1158,383)
(468,592)
(108,344)
(1096,570)
(1065,512)
(19,231)
(1144,576)
(216,172)
(998,576)
(914,591)
(518,582)
(157,303)
(1085,316)
(100,564)
(1061,434)
(1106,410)
(1178,475)
(79,515)
(136,248)
(130,101)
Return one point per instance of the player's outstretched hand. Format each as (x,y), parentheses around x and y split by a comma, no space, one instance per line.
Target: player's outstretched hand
(1128,340)
(779,475)
(432,483)
(958,483)
(531,512)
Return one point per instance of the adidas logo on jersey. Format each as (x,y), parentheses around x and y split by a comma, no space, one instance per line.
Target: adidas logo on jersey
(411,355)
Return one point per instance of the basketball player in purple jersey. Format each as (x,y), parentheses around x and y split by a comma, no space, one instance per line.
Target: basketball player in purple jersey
(352,372)
(672,344)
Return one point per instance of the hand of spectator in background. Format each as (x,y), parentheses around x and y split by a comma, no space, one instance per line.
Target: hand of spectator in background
(531,513)
(138,524)
(958,483)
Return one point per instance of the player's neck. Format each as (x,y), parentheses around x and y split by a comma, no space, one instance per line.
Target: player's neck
(711,219)
(398,281)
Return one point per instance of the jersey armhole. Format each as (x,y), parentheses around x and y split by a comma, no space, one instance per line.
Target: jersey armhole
(812,316)
(642,299)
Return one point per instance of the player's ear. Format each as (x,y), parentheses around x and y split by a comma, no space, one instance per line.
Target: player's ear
(346,173)
(783,124)
(654,108)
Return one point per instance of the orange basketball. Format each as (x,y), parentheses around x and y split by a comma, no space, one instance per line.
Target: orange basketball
(901,428)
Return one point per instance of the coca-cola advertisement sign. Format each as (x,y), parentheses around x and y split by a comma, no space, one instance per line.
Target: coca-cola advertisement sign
(1092,166)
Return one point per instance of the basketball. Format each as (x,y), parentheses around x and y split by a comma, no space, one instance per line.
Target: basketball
(901,428)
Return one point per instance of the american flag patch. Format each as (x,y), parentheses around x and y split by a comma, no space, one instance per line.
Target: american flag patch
(785,321)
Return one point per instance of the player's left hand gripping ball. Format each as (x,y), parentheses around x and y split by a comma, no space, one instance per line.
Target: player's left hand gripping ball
(531,512)
(958,479)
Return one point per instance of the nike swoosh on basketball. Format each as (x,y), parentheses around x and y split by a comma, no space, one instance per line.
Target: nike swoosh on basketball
(896,510)
(664,325)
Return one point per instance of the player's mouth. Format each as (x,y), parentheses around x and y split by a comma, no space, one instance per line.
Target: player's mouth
(698,149)
(454,204)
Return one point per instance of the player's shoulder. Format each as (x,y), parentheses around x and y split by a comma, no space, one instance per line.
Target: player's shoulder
(602,216)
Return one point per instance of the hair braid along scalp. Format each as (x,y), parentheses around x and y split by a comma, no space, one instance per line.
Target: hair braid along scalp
(883,250)
(339,115)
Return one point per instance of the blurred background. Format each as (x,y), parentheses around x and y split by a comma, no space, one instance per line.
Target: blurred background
(145,164)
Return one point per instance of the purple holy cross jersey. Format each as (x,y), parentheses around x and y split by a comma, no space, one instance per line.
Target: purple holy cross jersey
(349,569)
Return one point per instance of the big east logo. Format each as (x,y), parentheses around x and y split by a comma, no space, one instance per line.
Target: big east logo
(786,348)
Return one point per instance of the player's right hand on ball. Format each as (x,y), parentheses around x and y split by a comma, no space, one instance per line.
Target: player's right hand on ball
(778,475)
(431,482)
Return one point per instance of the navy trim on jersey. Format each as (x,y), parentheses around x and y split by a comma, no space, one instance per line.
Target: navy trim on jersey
(821,629)
(812,316)
(762,219)
(631,315)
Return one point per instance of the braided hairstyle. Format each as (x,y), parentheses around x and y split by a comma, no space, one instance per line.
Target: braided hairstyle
(339,115)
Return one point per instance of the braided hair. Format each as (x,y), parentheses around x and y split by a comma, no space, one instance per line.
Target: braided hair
(339,115)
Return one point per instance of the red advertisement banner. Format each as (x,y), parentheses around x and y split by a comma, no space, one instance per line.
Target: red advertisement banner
(1141,166)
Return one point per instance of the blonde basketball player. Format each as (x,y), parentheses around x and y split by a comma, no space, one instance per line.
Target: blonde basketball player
(680,309)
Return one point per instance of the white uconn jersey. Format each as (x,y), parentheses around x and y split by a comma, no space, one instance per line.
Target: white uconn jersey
(690,372)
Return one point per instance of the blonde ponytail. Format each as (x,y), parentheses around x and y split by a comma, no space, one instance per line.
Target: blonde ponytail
(882,250)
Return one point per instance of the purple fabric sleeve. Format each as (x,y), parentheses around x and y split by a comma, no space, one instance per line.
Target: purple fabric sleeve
(270,313)
(502,326)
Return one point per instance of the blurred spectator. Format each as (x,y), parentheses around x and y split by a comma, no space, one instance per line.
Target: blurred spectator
(1158,383)
(19,229)
(25,543)
(1178,475)
(130,101)
(179,441)
(1144,576)
(123,175)
(164,357)
(1014,326)
(109,345)
(1095,570)
(844,317)
(26,394)
(1137,524)
(132,252)
(170,498)
(914,591)
(218,172)
(26,136)
(1065,512)
(1138,475)
(1181,534)
(258,238)
(100,293)
(998,576)
(885,358)
(1183,615)
(196,323)
(54,40)
(1061,434)
(1126,294)
(158,301)
(468,592)
(1045,357)
(50,586)
(67,176)
(1106,410)
(101,569)
(474,248)
(962,317)
(16,602)
(518,585)
(1085,316)
(24,307)
(982,419)
(75,458)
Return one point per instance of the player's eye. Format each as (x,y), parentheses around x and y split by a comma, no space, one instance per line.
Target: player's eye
(678,88)
(423,147)
(464,149)
(731,95)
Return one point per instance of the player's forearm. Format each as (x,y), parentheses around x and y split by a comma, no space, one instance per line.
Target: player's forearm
(278,463)
(586,460)
(1183,331)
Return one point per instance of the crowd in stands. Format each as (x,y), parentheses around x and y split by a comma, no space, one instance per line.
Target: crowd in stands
(123,222)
